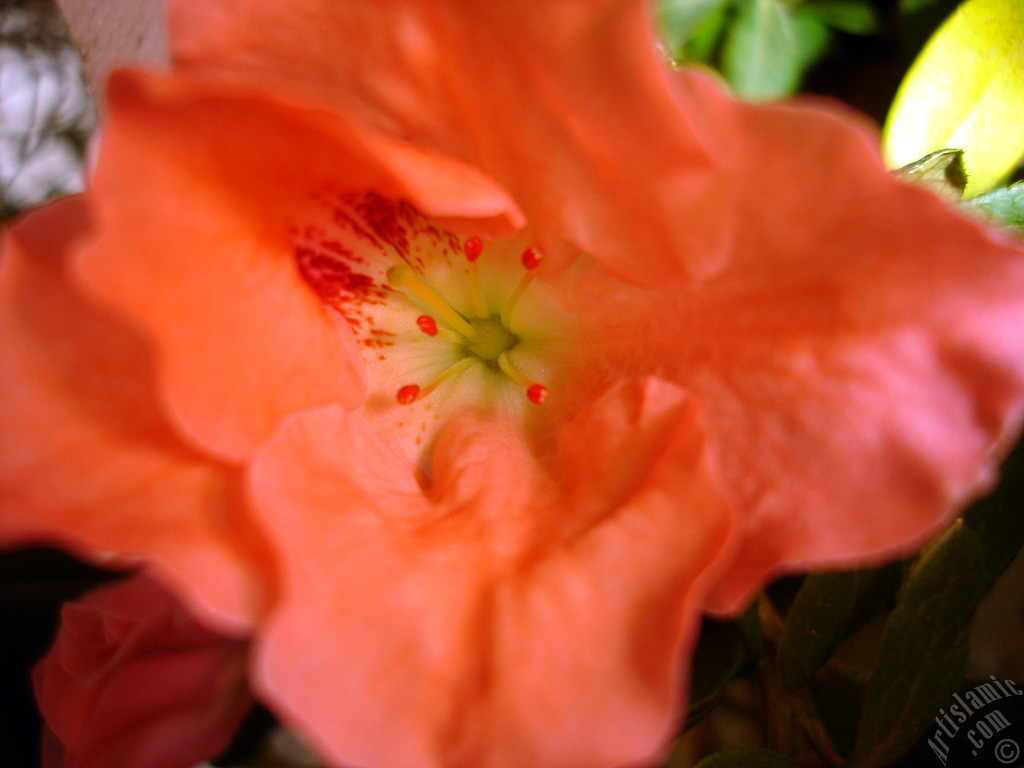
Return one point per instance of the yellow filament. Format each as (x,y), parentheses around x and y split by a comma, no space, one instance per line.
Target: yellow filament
(447,335)
(403,277)
(510,305)
(512,372)
(454,369)
(479,305)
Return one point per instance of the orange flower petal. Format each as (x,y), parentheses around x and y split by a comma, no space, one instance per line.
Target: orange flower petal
(86,458)
(859,357)
(865,355)
(853,346)
(495,618)
(242,339)
(493,83)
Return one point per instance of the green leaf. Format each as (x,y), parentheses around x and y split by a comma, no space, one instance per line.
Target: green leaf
(680,20)
(827,609)
(966,90)
(942,171)
(721,652)
(769,47)
(816,623)
(922,655)
(1004,207)
(704,41)
(745,757)
(909,7)
(925,643)
(854,16)
(997,522)
(837,703)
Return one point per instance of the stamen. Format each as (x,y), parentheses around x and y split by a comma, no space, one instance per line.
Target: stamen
(410,393)
(427,325)
(479,305)
(531,260)
(404,277)
(537,393)
(473,248)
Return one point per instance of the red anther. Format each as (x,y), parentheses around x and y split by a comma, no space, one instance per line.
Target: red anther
(531,258)
(473,248)
(408,394)
(537,393)
(427,325)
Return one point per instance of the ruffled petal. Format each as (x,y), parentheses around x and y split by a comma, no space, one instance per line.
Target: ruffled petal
(863,355)
(200,256)
(491,83)
(495,618)
(87,460)
(859,357)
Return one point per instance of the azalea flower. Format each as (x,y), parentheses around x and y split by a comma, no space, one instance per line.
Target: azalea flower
(467,355)
(132,681)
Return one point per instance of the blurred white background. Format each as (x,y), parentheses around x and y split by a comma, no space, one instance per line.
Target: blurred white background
(46,115)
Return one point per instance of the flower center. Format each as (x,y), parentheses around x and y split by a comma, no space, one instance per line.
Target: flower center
(429,310)
(490,339)
(484,336)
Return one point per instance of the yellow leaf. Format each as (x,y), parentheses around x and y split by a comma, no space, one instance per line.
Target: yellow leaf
(966,91)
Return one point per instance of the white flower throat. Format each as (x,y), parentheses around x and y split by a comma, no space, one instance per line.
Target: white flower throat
(439,320)
(485,336)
